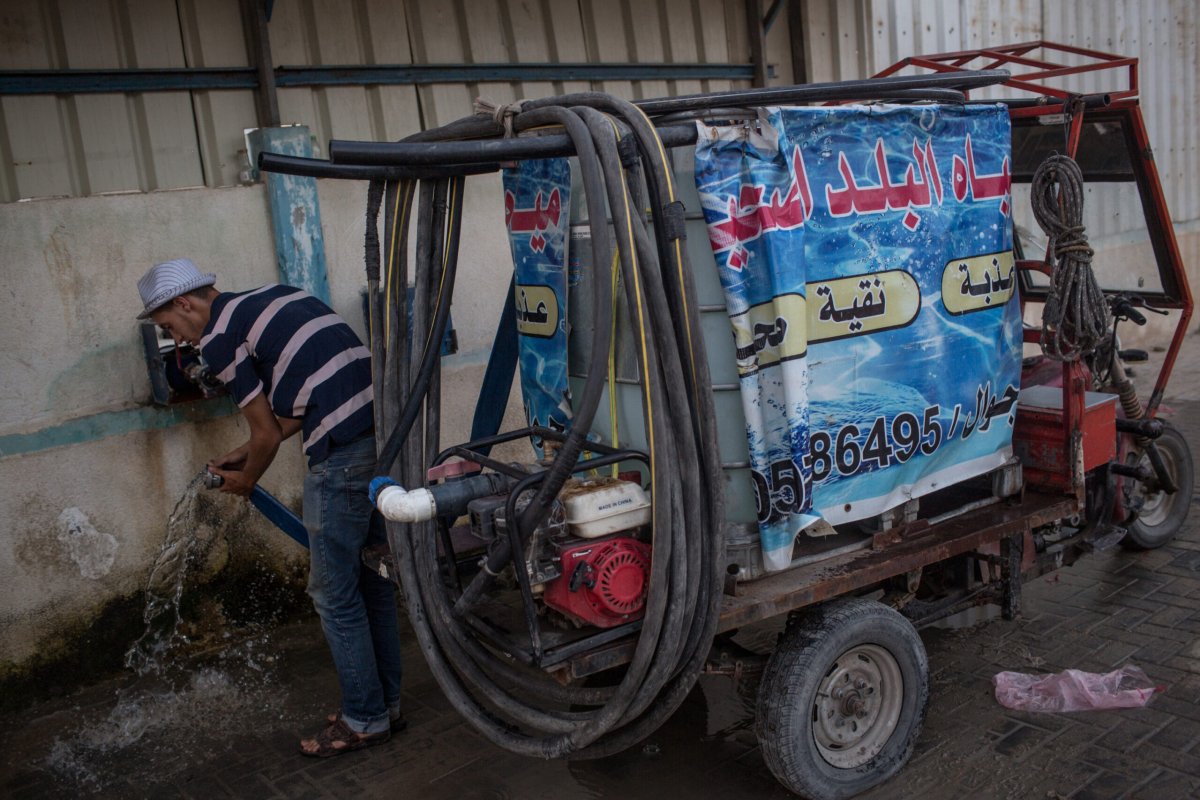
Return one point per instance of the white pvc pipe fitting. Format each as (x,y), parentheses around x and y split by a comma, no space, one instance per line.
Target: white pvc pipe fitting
(399,505)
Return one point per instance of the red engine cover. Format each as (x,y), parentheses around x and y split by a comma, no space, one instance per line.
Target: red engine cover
(603,582)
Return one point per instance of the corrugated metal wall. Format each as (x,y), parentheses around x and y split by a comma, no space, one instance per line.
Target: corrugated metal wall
(491,31)
(856,39)
(1163,34)
(91,144)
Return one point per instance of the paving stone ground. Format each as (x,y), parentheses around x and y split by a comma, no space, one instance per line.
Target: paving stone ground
(227,725)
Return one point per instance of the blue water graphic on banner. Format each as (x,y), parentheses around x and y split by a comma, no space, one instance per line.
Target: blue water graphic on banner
(866,258)
(536,208)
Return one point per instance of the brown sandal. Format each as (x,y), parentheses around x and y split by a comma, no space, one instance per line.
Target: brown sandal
(337,738)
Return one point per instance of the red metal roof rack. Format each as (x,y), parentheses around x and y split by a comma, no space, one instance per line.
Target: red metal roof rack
(1032,74)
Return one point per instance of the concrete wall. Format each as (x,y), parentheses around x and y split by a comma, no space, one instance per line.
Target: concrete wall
(73,373)
(72,358)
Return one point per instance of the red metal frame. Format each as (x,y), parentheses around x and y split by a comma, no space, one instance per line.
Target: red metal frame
(1036,76)
(1158,208)
(1016,55)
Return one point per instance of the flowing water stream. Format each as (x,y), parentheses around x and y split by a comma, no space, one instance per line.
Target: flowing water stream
(172,696)
(164,588)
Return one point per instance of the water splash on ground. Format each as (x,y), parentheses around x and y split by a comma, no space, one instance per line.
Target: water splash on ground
(145,736)
(177,696)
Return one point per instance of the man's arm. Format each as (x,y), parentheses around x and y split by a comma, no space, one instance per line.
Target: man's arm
(265,436)
(236,459)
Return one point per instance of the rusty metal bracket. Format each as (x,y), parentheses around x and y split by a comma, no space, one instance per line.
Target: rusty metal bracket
(893,536)
(730,659)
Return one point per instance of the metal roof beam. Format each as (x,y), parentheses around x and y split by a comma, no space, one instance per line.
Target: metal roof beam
(72,81)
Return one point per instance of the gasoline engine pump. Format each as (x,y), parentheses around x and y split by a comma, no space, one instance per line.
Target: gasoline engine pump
(589,562)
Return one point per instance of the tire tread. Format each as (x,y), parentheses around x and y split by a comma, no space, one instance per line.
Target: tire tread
(802,651)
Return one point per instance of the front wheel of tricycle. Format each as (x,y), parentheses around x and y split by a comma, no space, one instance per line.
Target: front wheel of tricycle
(842,699)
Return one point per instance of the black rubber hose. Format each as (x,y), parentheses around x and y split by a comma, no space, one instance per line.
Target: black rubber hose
(710,586)
(556,745)
(741,112)
(443,146)
(371,238)
(865,89)
(687,588)
(670,574)
(375,191)
(451,638)
(411,160)
(664,614)
(678,282)
(401,539)
(426,296)
(589,400)
(677,279)
(395,386)
(680,613)
(320,168)
(426,153)
(412,408)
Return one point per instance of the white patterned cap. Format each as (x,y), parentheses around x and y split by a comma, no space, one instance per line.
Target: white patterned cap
(162,283)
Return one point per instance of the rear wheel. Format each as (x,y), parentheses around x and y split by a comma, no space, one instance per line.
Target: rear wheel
(842,699)
(1161,514)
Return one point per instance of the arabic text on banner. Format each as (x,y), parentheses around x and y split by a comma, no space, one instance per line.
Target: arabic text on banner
(866,258)
(536,207)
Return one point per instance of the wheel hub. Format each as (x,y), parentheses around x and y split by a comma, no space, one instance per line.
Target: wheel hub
(1155,504)
(857,706)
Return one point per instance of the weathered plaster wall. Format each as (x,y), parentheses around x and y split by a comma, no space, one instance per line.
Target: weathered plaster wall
(70,354)
(70,268)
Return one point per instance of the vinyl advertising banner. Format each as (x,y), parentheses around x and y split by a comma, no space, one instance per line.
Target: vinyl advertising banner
(866,259)
(536,210)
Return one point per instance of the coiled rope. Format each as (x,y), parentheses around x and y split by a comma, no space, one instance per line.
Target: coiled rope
(1075,321)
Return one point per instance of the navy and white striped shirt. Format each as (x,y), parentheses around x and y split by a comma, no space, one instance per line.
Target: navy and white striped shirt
(312,366)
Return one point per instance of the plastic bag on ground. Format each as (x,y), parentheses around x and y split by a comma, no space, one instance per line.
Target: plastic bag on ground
(1073,690)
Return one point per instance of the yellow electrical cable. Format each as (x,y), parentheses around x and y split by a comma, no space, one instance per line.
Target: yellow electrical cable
(451,221)
(615,272)
(399,213)
(641,316)
(662,154)
(389,274)
(612,358)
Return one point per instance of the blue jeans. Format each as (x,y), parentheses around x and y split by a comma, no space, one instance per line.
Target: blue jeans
(357,608)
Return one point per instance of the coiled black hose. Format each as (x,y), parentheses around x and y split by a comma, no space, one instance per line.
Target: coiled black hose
(1076,320)
(685,584)
(431,352)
